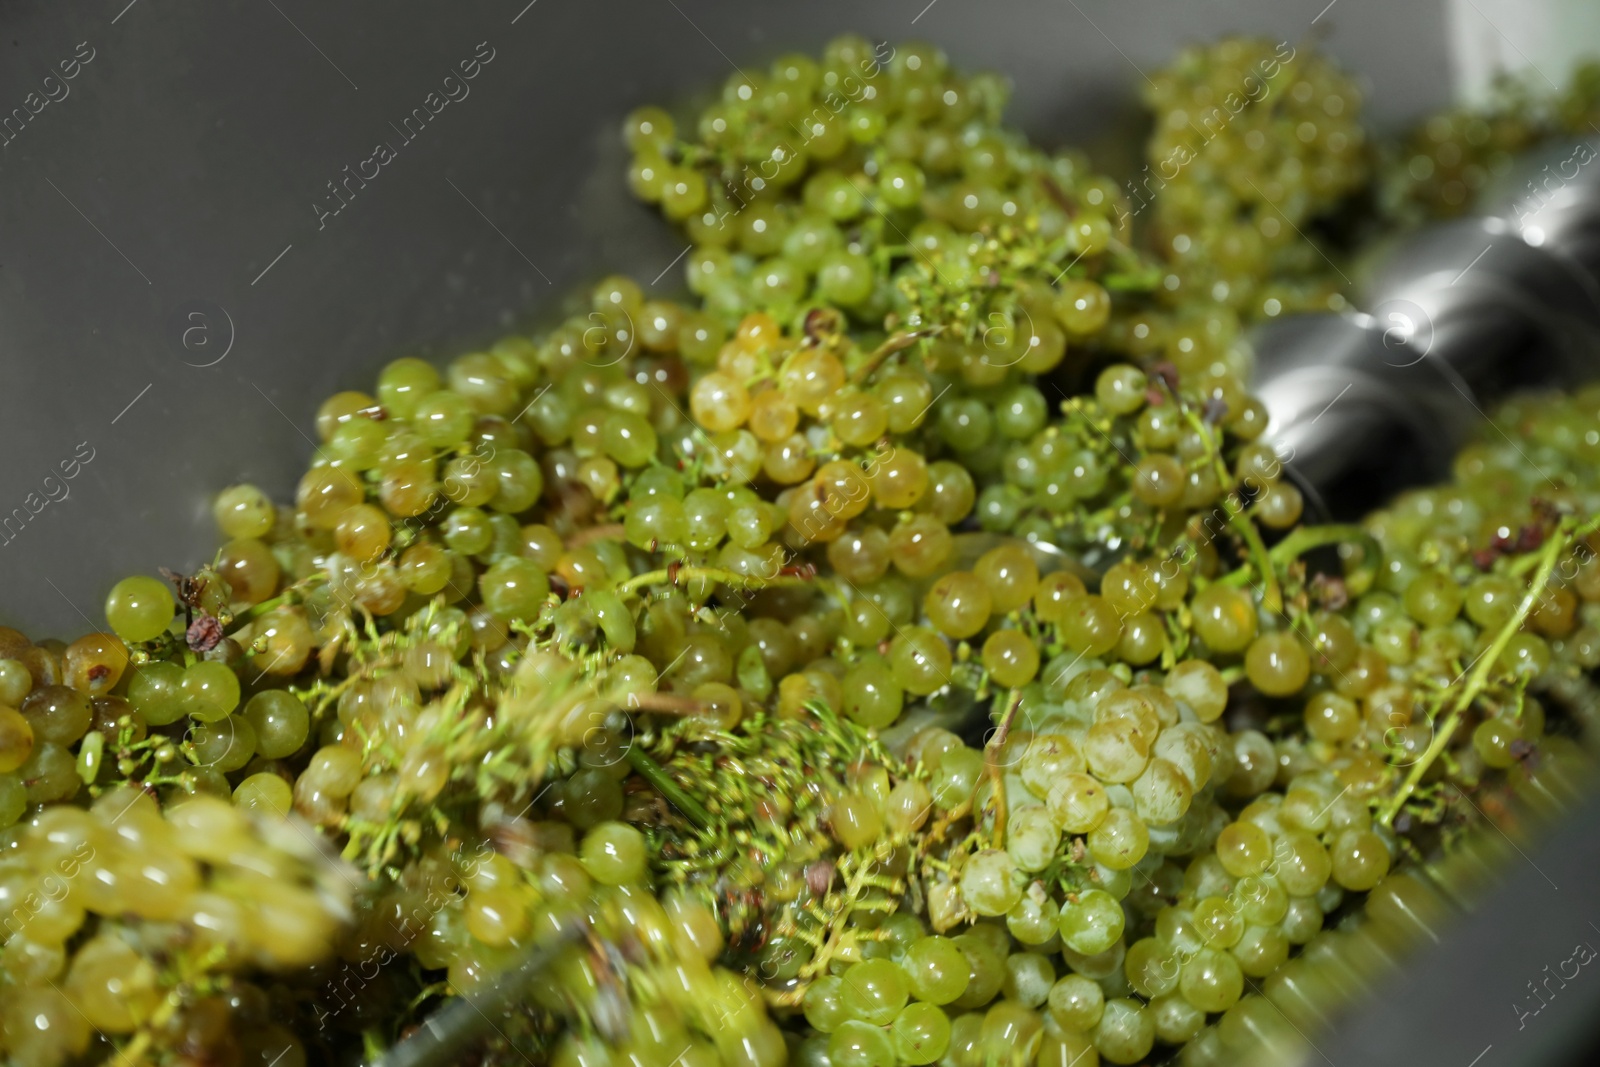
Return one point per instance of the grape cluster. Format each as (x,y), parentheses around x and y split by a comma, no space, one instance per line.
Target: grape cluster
(124,921)
(1437,168)
(1254,143)
(656,642)
(879,182)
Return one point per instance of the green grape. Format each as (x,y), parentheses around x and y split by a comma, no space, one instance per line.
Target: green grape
(1093,923)
(985,970)
(826,1005)
(936,970)
(139,608)
(872,697)
(874,991)
(1076,1003)
(514,588)
(614,853)
(920,1034)
(859,1044)
(1277,664)
(991,883)
(208,691)
(1029,978)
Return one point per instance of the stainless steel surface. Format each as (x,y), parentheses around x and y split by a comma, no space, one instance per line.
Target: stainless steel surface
(1444,321)
(189,152)
(1466,1000)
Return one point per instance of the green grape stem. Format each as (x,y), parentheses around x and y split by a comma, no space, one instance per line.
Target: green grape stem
(1243,525)
(991,762)
(674,575)
(1480,675)
(1271,594)
(656,775)
(292,595)
(1300,542)
(898,341)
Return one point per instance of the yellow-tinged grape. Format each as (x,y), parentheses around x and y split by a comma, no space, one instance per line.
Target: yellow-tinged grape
(209,691)
(1331,718)
(1279,506)
(859,419)
(265,792)
(42,1027)
(1360,859)
(93,664)
(920,546)
(1078,803)
(1158,480)
(1010,575)
(1244,849)
(907,399)
(243,511)
(497,917)
(1218,922)
(1224,618)
(16,740)
(1011,658)
(251,570)
(1212,980)
(112,985)
(899,479)
(340,408)
(1120,840)
(1277,664)
(1055,591)
(958,604)
(1144,637)
(1089,625)
(1117,749)
(324,494)
(362,533)
(719,402)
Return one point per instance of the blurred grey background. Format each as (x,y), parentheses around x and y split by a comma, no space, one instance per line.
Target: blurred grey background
(158,214)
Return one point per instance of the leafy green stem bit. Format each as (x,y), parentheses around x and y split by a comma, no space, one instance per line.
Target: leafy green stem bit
(656,775)
(1300,542)
(1271,594)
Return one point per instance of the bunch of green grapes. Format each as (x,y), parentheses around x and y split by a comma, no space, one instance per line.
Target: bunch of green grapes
(878,181)
(662,639)
(1438,167)
(129,928)
(1254,143)
(1131,466)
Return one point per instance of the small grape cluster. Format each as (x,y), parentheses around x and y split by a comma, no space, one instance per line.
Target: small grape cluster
(879,182)
(160,926)
(1254,142)
(1438,168)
